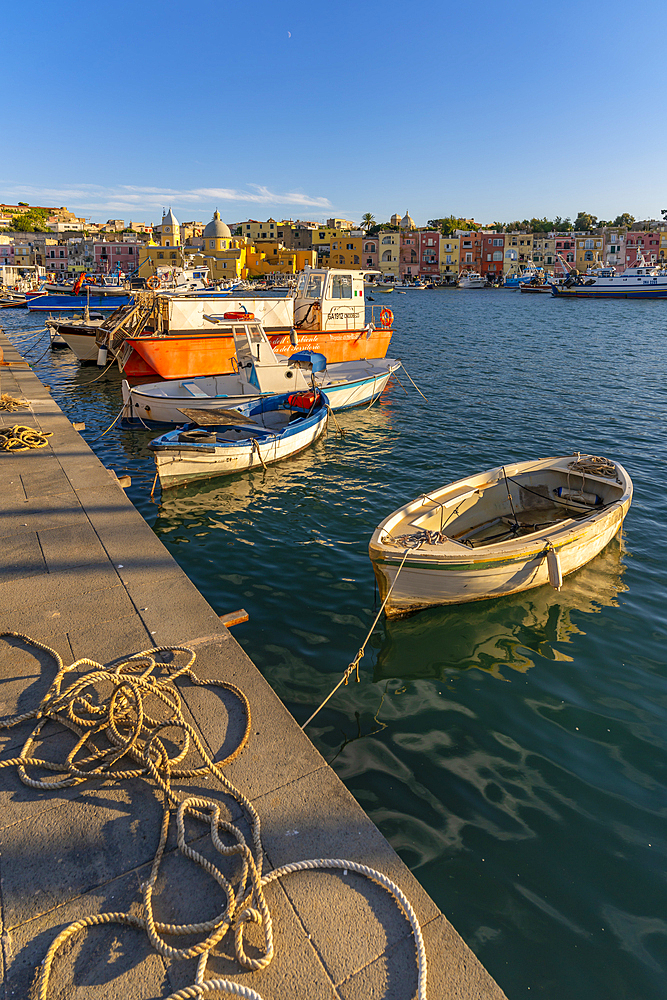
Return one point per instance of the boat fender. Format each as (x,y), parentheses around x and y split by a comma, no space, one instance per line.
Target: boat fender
(592,499)
(301,400)
(238,315)
(553,568)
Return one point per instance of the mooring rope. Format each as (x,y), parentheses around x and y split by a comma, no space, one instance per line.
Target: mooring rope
(354,666)
(119,717)
(21,438)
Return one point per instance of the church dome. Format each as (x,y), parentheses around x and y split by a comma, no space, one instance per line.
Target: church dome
(217,229)
(407,222)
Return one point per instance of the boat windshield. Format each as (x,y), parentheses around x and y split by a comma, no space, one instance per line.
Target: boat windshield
(314,287)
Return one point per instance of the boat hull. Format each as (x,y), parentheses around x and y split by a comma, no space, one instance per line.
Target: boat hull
(179,465)
(602,292)
(76,303)
(151,409)
(193,355)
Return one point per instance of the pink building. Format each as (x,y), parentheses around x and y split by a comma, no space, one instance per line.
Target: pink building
(6,254)
(565,248)
(55,259)
(648,243)
(493,252)
(109,256)
(429,253)
(370,252)
(408,258)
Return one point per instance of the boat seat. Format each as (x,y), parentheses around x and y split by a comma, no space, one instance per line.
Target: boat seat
(194,390)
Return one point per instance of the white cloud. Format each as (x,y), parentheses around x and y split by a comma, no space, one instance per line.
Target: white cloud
(97,199)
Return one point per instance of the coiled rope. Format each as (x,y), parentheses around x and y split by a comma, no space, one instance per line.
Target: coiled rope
(593,465)
(11,403)
(118,737)
(20,438)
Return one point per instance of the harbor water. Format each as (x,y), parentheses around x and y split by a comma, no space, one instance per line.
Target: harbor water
(514,751)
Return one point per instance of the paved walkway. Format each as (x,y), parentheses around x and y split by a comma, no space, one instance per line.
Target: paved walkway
(81,571)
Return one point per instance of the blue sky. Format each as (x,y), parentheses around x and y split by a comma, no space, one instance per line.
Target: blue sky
(296,109)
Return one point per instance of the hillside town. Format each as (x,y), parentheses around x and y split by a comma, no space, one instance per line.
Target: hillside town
(62,246)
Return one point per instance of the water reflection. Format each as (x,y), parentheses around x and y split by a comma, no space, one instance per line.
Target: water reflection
(493,635)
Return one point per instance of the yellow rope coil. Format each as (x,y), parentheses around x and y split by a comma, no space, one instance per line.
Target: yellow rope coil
(122,720)
(11,403)
(21,438)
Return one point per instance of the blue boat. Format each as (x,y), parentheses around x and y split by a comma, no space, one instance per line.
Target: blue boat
(76,303)
(245,437)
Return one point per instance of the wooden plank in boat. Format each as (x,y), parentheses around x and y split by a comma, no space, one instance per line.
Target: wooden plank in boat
(207,417)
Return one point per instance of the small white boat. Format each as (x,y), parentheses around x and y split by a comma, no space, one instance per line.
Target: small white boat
(245,437)
(472,279)
(77,334)
(260,372)
(502,531)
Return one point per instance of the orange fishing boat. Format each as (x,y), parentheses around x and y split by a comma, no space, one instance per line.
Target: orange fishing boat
(327,315)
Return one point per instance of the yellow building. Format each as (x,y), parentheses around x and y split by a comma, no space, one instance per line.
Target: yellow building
(588,250)
(389,252)
(343,224)
(346,251)
(169,231)
(449,258)
(227,257)
(253,231)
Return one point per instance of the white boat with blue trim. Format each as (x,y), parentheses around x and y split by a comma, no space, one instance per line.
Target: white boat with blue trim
(643,281)
(499,532)
(260,373)
(244,437)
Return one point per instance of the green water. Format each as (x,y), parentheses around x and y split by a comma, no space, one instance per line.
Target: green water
(512,751)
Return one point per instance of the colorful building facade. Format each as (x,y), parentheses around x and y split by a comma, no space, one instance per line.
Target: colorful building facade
(493,253)
(449,258)
(429,253)
(389,249)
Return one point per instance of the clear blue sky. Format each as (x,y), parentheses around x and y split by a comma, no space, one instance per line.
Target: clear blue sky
(488,110)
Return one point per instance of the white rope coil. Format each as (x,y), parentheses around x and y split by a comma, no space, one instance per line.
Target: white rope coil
(119,718)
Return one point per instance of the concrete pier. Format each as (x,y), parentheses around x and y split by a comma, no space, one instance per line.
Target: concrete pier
(81,571)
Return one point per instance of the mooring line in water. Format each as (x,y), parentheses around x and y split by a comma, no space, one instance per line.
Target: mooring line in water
(106,711)
(354,666)
(412,380)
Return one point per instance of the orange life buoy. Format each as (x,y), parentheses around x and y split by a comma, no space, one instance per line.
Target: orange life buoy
(153,282)
(238,315)
(386,317)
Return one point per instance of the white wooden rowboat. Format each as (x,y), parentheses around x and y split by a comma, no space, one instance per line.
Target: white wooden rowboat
(259,373)
(245,437)
(499,532)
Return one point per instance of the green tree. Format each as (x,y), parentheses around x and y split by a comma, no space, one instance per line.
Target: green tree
(624,220)
(32,221)
(584,222)
(367,221)
(450,224)
(562,225)
(541,225)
